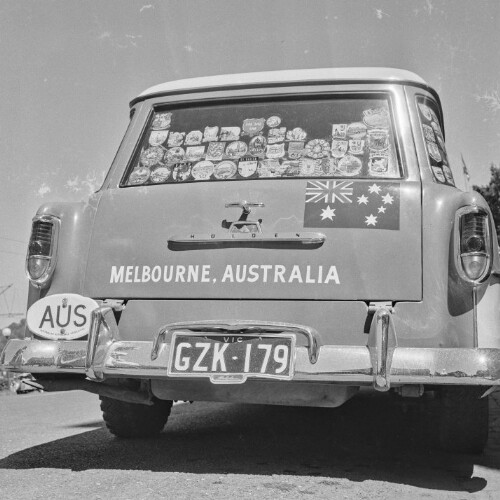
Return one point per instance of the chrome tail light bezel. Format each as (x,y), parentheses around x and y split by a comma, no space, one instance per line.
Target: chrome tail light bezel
(488,250)
(43,280)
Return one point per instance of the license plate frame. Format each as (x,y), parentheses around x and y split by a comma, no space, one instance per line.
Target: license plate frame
(237,341)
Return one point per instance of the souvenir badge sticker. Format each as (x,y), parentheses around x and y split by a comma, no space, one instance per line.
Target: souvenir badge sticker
(296,150)
(292,168)
(181,172)
(203,170)
(275,150)
(339,130)
(378,165)
(257,146)
(352,203)
(195,153)
(270,168)
(437,129)
(317,148)
(175,139)
(308,167)
(158,137)
(175,155)
(428,133)
(433,151)
(434,118)
(273,121)
(425,111)
(349,166)
(225,170)
(378,140)
(325,166)
(356,130)
(161,121)
(160,174)
(215,151)
(152,156)
(210,134)
(252,126)
(376,118)
(438,174)
(448,174)
(296,134)
(276,135)
(247,166)
(229,133)
(236,149)
(193,138)
(139,176)
(356,146)
(339,148)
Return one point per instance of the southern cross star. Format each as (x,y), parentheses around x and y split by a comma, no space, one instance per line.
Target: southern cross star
(381,210)
(374,189)
(327,213)
(388,199)
(362,199)
(371,220)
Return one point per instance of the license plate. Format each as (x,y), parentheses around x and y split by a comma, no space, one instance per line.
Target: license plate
(231,359)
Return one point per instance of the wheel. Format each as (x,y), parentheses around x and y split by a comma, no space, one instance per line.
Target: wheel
(462,419)
(130,420)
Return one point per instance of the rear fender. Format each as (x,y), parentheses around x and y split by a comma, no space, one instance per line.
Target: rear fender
(76,220)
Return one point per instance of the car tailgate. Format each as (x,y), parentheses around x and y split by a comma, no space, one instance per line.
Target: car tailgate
(370,248)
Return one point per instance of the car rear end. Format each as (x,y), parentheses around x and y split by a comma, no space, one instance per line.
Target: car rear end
(279,244)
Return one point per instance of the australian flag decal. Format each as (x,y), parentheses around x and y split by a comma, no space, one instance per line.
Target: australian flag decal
(352,204)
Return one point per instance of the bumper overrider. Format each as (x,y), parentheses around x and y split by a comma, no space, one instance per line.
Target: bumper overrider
(380,363)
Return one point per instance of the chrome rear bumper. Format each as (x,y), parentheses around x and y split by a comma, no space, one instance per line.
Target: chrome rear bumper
(380,363)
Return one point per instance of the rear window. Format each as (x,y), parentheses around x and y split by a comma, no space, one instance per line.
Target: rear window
(332,137)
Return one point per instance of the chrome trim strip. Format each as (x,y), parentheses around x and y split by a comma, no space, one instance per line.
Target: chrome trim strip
(238,326)
(474,317)
(256,238)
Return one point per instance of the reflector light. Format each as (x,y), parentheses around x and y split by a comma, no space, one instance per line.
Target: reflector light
(474,244)
(41,257)
(474,265)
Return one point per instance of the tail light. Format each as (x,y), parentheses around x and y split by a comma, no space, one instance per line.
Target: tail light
(474,244)
(42,249)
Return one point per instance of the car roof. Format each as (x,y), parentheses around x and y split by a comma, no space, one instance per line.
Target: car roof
(295,76)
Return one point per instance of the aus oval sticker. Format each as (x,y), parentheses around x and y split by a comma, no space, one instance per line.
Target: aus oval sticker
(64,316)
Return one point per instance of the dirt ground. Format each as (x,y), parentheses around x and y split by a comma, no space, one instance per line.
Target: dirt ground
(55,446)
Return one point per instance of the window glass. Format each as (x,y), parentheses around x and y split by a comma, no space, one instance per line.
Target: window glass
(434,141)
(336,137)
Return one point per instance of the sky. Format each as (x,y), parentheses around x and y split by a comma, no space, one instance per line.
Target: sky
(70,67)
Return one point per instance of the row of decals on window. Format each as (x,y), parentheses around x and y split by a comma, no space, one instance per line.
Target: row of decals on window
(434,143)
(263,148)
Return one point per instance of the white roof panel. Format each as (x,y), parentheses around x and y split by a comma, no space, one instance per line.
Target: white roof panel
(288,76)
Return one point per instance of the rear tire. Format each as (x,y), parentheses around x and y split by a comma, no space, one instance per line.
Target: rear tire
(130,420)
(463,419)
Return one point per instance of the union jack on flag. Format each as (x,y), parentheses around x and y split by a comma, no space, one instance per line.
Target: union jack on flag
(329,191)
(352,204)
